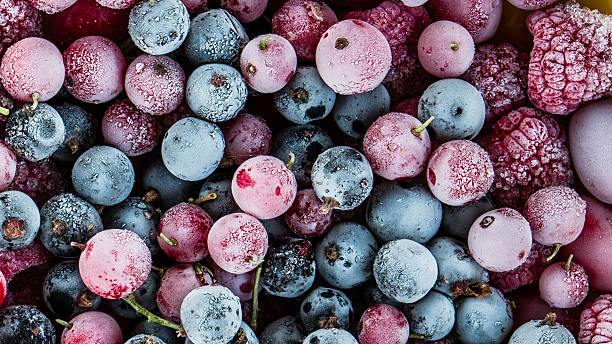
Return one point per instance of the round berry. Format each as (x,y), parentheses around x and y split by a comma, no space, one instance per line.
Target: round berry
(136,215)
(330,336)
(97,327)
(19,324)
(132,131)
(355,113)
(245,10)
(8,166)
(176,283)
(51,6)
(267,63)
(485,319)
(64,292)
(183,231)
(117,4)
(326,307)
(246,136)
(383,324)
(81,130)
(223,203)
(240,284)
(289,268)
(305,218)
(19,220)
(20,20)
(446,49)
(432,317)
(564,285)
(158,29)
(171,189)
(285,330)
(542,331)
(480,17)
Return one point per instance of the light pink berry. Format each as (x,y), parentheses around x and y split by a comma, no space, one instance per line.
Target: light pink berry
(562,288)
(8,166)
(446,49)
(268,62)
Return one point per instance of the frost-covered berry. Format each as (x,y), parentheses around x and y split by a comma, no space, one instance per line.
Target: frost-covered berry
(158,29)
(51,6)
(289,268)
(383,324)
(25,324)
(8,166)
(542,332)
(267,63)
(246,136)
(446,49)
(326,307)
(19,20)
(480,17)
(245,10)
(19,220)
(564,285)
(485,319)
(355,113)
(117,4)
(330,336)
(432,317)
(132,131)
(81,131)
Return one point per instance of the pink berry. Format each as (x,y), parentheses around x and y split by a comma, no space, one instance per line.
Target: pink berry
(40,180)
(264,187)
(115,263)
(129,129)
(177,282)
(246,136)
(95,68)
(268,62)
(52,6)
(92,328)
(500,239)
(480,17)
(564,286)
(245,11)
(446,49)
(383,324)
(183,231)
(237,242)
(3,284)
(556,215)
(155,84)
(459,172)
(117,4)
(592,247)
(240,284)
(302,23)
(305,217)
(32,65)
(531,4)
(393,149)
(19,20)
(14,262)
(527,273)
(353,57)
(8,166)
(596,321)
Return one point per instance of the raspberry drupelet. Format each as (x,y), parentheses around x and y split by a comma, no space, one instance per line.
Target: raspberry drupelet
(19,20)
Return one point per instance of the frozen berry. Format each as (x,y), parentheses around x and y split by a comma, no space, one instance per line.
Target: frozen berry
(26,324)
(32,69)
(155,84)
(176,283)
(246,136)
(132,131)
(8,166)
(529,152)
(245,10)
(14,262)
(289,268)
(570,61)
(527,273)
(51,6)
(355,113)
(432,317)
(268,62)
(40,180)
(81,131)
(305,218)
(19,20)
(329,336)
(183,231)
(564,285)
(240,284)
(19,219)
(595,321)
(542,331)
(326,307)
(446,49)
(459,172)
(383,324)
(532,4)
(353,57)
(117,4)
(158,29)
(457,221)
(97,327)
(302,23)
(480,17)
(95,68)
(485,319)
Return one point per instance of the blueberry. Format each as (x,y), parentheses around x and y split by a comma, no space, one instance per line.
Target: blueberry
(81,131)
(342,177)
(158,29)
(215,36)
(216,92)
(25,325)
(66,218)
(289,269)
(355,113)
(373,296)
(103,175)
(306,142)
(64,292)
(330,336)
(20,220)
(137,216)
(456,221)
(145,295)
(405,270)
(432,317)
(277,229)
(192,149)
(286,330)
(305,98)
(164,333)
(458,109)
(455,265)
(145,339)
(224,203)
(400,210)
(171,189)
(483,320)
(326,307)
(345,256)
(245,335)
(542,332)
(35,134)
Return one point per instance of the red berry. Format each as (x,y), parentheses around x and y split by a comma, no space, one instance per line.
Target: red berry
(246,136)
(177,282)
(40,180)
(130,130)
(14,262)
(183,231)
(51,6)
(564,286)
(596,321)
(305,217)
(480,17)
(19,20)
(383,324)
(8,166)
(92,328)
(3,284)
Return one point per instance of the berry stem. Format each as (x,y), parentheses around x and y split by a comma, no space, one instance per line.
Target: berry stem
(454,46)
(4,111)
(255,310)
(152,196)
(131,300)
(160,271)
(199,269)
(78,245)
(329,203)
(262,42)
(289,165)
(34,101)
(416,336)
(554,253)
(209,196)
(550,320)
(172,242)
(566,267)
(64,323)
(417,131)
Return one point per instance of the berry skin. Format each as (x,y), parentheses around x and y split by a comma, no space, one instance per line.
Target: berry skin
(532,4)
(245,10)
(237,242)
(526,273)
(457,107)
(32,65)
(145,339)
(267,63)
(445,49)
(500,239)
(95,327)
(541,332)
(144,295)
(246,136)
(289,269)
(529,152)
(432,317)
(595,321)
(456,221)
(486,319)
(64,292)
(326,307)
(564,288)
(40,180)
(135,215)
(130,130)
(353,57)
(355,113)
(117,4)
(167,334)
(158,29)
(187,226)
(393,150)
(3,285)
(480,17)
(459,172)
(8,166)
(305,218)
(172,190)
(81,131)
(115,263)
(499,72)
(330,336)
(302,23)
(19,219)
(264,187)
(103,175)
(286,330)
(383,324)
(20,20)
(51,6)
(95,69)
(240,284)
(155,84)
(177,282)
(14,262)
(26,324)
(570,61)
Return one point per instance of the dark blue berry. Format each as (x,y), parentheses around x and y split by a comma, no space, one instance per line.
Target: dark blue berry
(25,325)
(166,334)
(289,268)
(483,320)
(81,131)
(355,113)
(145,339)
(64,292)
(456,221)
(432,317)
(20,220)
(224,203)
(326,307)
(135,215)
(286,330)
(171,189)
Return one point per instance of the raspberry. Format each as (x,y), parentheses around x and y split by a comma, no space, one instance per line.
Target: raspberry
(529,152)
(499,72)
(527,273)
(40,180)
(401,25)
(596,321)
(13,262)
(18,20)
(571,60)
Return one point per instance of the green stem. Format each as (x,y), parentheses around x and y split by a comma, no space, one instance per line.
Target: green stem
(289,165)
(64,323)
(262,42)
(566,267)
(171,242)
(454,46)
(131,300)
(209,196)
(554,253)
(160,271)
(416,336)
(417,131)
(255,310)
(4,111)
(34,101)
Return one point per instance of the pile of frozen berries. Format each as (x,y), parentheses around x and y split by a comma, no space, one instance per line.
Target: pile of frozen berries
(302,172)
